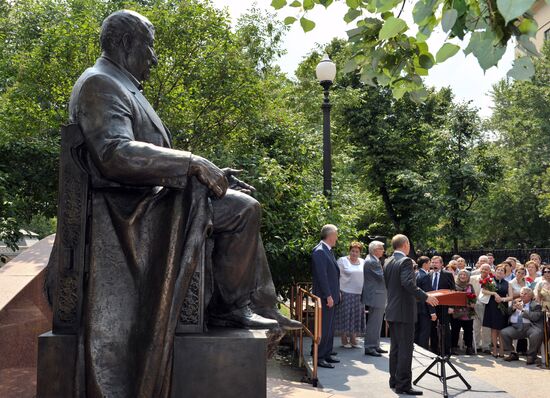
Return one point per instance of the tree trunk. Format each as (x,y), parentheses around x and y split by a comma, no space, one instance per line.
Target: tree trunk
(389,207)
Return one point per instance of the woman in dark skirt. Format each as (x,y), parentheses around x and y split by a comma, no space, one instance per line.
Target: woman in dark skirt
(494,318)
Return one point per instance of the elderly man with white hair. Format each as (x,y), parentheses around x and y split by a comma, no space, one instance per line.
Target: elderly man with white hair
(526,321)
(326,285)
(480,261)
(374,296)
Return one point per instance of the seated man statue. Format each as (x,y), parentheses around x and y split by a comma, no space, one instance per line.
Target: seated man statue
(149,208)
(526,322)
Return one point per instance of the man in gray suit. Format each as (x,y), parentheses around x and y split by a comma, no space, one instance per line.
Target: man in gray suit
(401,313)
(526,321)
(374,296)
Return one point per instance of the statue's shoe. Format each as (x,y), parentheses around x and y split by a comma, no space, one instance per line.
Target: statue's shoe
(242,318)
(284,322)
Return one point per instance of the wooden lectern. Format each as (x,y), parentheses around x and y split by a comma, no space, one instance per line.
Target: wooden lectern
(451,297)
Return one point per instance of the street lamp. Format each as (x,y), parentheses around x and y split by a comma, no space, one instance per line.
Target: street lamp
(326,71)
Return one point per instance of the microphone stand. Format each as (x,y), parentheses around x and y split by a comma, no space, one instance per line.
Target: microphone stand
(443,358)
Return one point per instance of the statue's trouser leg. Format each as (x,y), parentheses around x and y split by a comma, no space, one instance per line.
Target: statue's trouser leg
(265,295)
(237,219)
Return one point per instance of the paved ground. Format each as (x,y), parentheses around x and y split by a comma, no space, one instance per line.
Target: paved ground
(359,376)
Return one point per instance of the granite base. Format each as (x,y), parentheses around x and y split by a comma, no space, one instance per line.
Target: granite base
(222,363)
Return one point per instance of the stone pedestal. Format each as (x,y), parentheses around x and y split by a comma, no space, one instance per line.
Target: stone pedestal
(56,366)
(222,363)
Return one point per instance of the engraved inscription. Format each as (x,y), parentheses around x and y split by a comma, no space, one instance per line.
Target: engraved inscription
(68,299)
(72,207)
(190,311)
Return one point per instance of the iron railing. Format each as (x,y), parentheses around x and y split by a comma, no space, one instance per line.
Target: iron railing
(306,308)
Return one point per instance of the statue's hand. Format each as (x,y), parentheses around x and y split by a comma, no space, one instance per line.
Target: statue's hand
(235,183)
(209,174)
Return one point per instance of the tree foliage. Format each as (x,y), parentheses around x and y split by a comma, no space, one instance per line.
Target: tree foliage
(466,169)
(216,88)
(430,169)
(389,52)
(516,210)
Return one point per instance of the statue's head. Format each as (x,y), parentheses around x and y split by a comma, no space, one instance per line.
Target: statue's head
(127,37)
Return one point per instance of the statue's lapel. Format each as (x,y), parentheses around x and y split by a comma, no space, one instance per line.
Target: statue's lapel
(151,113)
(145,105)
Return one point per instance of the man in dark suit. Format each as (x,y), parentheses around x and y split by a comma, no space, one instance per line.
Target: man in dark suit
(426,313)
(326,285)
(441,279)
(401,313)
(374,296)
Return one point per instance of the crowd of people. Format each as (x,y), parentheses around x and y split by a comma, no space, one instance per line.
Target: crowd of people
(504,315)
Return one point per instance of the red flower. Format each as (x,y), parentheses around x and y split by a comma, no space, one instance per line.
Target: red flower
(529,279)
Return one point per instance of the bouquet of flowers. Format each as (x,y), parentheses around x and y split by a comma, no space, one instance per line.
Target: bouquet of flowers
(530,281)
(488,283)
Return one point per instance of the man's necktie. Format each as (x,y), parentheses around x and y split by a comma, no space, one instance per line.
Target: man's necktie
(519,322)
(435,280)
(520,318)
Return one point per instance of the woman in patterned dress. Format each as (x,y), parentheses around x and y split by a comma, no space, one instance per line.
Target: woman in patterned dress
(350,313)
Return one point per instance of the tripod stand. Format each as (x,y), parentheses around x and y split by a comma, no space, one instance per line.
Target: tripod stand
(443,358)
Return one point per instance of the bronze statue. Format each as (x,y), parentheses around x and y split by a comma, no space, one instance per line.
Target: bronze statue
(150,213)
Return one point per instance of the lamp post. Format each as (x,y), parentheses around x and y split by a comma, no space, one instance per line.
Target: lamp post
(326,71)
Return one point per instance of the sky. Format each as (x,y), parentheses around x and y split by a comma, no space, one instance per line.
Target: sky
(462,73)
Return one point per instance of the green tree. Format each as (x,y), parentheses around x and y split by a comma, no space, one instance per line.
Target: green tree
(384,146)
(393,154)
(516,210)
(216,88)
(466,169)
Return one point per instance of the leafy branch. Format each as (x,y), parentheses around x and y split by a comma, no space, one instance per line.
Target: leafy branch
(386,53)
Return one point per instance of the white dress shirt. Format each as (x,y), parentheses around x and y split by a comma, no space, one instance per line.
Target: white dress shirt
(326,244)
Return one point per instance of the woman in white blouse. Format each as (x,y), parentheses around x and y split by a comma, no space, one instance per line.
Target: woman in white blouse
(350,313)
(519,281)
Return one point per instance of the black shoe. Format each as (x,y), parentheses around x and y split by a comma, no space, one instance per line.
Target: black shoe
(284,322)
(324,364)
(372,353)
(469,351)
(332,353)
(332,360)
(531,359)
(381,350)
(242,318)
(512,357)
(410,391)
